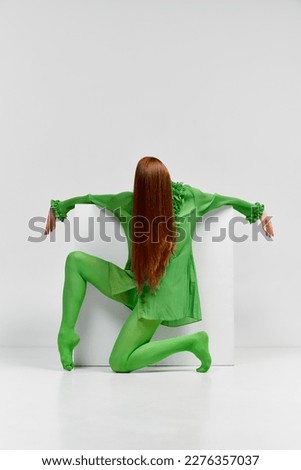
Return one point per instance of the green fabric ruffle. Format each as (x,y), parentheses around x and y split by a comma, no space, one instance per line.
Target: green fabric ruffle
(55,205)
(256,212)
(178,191)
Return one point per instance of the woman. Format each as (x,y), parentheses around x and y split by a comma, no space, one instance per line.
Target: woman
(158,283)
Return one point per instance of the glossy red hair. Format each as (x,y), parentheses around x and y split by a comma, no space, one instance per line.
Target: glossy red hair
(153,223)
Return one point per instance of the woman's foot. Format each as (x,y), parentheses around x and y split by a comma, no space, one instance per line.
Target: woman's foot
(67,340)
(201,350)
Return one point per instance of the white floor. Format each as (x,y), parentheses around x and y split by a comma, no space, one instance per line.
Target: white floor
(255,404)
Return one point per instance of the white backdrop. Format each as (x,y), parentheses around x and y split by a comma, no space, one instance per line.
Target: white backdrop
(212,88)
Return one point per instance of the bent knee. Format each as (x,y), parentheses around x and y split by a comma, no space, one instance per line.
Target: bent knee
(117,364)
(74,257)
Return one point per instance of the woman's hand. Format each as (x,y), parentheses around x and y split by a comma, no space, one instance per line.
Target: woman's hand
(51,222)
(267,225)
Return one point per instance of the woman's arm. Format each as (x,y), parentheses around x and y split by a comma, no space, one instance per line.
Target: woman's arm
(206,202)
(59,209)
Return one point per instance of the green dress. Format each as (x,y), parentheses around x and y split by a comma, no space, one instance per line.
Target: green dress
(176,302)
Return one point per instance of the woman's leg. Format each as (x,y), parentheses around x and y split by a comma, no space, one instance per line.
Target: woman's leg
(80,268)
(134,350)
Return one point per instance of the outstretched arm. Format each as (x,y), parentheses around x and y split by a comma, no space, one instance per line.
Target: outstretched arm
(206,202)
(59,209)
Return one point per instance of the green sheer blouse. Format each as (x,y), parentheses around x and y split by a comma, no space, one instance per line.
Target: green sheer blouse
(176,302)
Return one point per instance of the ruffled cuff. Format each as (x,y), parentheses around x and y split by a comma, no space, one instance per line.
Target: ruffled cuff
(55,205)
(256,212)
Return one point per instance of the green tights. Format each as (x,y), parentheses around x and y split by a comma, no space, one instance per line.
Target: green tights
(133,348)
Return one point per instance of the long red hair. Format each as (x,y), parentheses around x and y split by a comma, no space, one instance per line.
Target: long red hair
(153,223)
